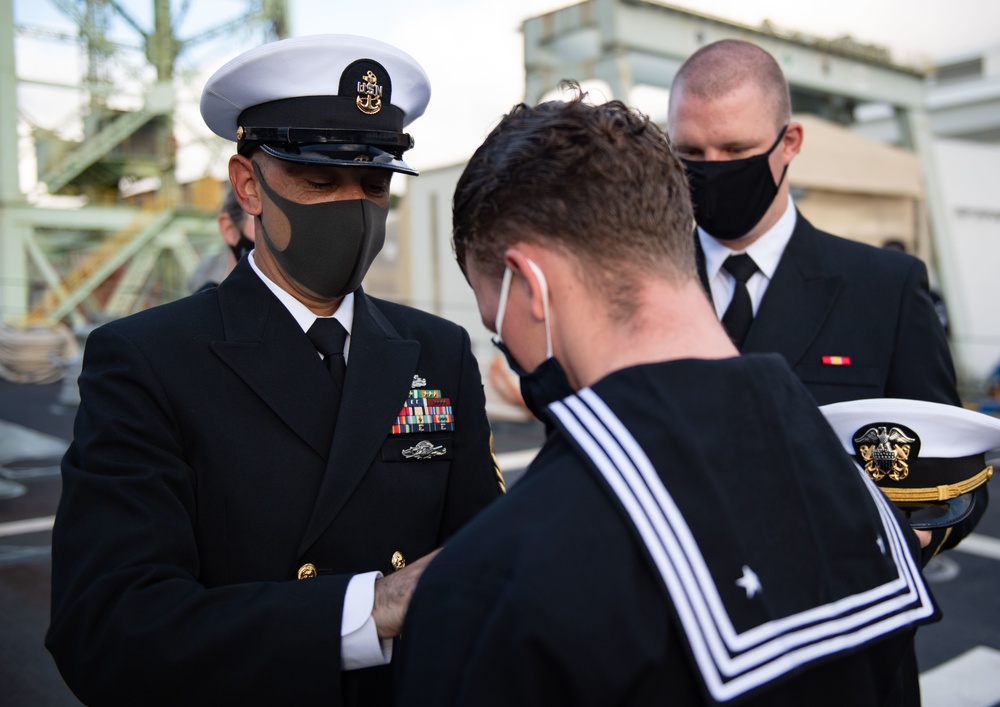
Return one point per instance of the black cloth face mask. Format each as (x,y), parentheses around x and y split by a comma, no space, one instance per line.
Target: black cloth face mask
(542,386)
(730,197)
(547,383)
(330,245)
(243,246)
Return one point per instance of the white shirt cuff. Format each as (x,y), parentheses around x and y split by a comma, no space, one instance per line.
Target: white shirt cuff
(360,646)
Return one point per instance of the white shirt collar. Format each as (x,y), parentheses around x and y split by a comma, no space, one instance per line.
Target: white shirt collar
(302,314)
(766,251)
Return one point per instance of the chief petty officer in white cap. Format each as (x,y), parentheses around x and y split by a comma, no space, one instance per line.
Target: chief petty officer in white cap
(257,469)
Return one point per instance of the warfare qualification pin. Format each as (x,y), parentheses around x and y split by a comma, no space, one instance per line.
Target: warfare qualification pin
(369,100)
(424,450)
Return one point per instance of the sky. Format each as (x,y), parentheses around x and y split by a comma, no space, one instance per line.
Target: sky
(473,49)
(473,52)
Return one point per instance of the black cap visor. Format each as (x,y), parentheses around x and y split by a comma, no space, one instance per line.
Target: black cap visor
(931,516)
(337,155)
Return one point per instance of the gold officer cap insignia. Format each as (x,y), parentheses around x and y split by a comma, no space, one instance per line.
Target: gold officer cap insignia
(886,449)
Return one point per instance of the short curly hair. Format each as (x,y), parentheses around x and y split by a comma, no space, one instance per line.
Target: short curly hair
(597,181)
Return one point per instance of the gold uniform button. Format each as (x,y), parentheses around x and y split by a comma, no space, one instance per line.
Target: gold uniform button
(307,571)
(398,561)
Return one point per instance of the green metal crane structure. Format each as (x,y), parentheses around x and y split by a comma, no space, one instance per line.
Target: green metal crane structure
(118,252)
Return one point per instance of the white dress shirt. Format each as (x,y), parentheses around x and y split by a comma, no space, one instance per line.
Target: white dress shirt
(766,252)
(360,646)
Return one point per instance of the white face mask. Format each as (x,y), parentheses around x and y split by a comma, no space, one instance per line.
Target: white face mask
(502,307)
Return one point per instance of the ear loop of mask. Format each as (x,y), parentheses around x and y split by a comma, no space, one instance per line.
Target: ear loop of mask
(545,306)
(502,306)
(505,293)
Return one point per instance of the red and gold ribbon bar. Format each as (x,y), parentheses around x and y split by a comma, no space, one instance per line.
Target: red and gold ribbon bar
(836,360)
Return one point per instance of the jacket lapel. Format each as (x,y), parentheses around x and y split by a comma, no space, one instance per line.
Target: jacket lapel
(266,347)
(380,369)
(797,301)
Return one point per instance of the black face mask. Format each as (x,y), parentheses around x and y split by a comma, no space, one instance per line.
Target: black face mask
(548,382)
(242,247)
(329,245)
(542,386)
(731,197)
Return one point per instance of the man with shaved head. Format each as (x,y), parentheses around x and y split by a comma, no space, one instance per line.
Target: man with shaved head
(853,321)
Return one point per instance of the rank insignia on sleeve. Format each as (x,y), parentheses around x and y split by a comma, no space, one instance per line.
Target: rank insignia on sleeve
(424,410)
(836,360)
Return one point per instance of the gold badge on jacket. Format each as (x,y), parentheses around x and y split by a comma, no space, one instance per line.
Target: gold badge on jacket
(425,410)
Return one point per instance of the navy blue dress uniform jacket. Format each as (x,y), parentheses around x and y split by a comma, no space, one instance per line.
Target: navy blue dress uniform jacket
(832,297)
(210,462)
(550,598)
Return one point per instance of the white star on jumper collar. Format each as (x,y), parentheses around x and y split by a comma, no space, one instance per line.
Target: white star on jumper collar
(750,582)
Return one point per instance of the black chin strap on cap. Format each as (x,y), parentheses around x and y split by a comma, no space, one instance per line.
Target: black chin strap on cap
(395,143)
(333,155)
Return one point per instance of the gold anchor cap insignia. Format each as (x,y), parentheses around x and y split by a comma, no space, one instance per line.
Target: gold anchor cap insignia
(886,449)
(369,100)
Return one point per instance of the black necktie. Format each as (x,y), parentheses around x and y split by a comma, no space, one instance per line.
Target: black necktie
(329,336)
(739,314)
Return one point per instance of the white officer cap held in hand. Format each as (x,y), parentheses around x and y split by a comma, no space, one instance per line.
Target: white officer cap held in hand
(331,99)
(928,458)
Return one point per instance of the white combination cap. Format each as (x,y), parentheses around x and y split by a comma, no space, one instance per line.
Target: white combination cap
(323,99)
(928,458)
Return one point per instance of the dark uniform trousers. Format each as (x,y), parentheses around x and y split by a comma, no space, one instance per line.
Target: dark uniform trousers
(207,468)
